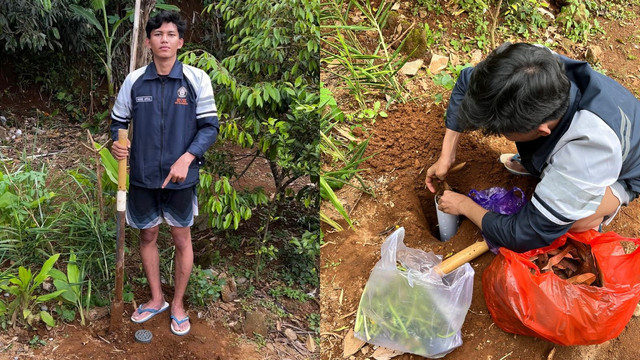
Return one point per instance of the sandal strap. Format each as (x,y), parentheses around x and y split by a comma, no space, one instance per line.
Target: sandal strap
(179,322)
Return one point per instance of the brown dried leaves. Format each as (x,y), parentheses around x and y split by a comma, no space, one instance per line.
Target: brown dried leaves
(572,262)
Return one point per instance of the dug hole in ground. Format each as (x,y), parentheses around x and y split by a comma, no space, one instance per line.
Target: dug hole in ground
(397,176)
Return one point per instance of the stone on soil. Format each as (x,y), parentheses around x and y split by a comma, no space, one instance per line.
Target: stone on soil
(438,63)
(255,322)
(411,68)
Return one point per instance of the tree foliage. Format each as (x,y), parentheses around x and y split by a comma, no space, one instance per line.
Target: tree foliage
(267,85)
(33,26)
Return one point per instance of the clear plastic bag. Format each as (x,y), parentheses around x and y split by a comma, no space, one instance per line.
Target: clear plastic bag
(411,308)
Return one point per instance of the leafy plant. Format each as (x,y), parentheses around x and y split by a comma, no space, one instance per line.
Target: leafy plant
(32,27)
(37,342)
(110,164)
(266,91)
(72,284)
(523,16)
(361,70)
(225,206)
(576,22)
(107,29)
(23,287)
(300,256)
(293,294)
(204,287)
(27,221)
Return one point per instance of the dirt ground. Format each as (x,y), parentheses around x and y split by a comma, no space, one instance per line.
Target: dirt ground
(407,142)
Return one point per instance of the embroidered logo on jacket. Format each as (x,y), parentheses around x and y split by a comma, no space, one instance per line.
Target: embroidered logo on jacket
(182,96)
(147,98)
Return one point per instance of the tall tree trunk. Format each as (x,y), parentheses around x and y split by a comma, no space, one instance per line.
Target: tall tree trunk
(140,55)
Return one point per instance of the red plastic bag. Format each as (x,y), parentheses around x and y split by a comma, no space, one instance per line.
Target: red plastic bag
(546,306)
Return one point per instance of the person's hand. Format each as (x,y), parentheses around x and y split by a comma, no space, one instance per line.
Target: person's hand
(453,203)
(437,173)
(179,169)
(120,152)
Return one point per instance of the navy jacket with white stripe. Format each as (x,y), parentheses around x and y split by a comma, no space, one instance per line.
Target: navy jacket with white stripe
(596,143)
(171,115)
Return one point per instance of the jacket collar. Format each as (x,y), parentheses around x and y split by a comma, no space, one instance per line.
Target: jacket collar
(151,73)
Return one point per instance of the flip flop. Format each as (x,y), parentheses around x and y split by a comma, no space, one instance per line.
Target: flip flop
(179,322)
(504,159)
(151,313)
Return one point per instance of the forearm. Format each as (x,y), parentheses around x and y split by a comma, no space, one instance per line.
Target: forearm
(449,145)
(206,136)
(473,212)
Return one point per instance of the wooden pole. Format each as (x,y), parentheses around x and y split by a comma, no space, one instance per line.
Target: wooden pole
(121,203)
(465,255)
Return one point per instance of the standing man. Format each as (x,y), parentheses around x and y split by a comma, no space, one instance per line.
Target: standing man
(575,129)
(175,121)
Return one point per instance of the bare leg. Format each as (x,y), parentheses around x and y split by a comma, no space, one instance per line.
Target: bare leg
(184,263)
(608,205)
(151,265)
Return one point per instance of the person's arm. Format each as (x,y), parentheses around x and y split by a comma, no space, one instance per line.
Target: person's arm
(458,204)
(439,170)
(525,230)
(120,119)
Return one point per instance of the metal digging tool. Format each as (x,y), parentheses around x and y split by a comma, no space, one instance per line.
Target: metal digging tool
(121,206)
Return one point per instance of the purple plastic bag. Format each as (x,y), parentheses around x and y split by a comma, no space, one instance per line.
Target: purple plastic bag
(501,201)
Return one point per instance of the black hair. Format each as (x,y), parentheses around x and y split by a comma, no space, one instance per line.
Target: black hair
(514,90)
(166,17)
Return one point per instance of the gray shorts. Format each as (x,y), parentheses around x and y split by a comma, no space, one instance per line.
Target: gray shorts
(147,208)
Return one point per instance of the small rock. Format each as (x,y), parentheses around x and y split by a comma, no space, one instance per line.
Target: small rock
(438,63)
(383,353)
(3,120)
(241,280)
(97,313)
(455,59)
(290,334)
(47,286)
(255,322)
(229,291)
(44,308)
(411,68)
(594,52)
(18,132)
(476,57)
(235,326)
